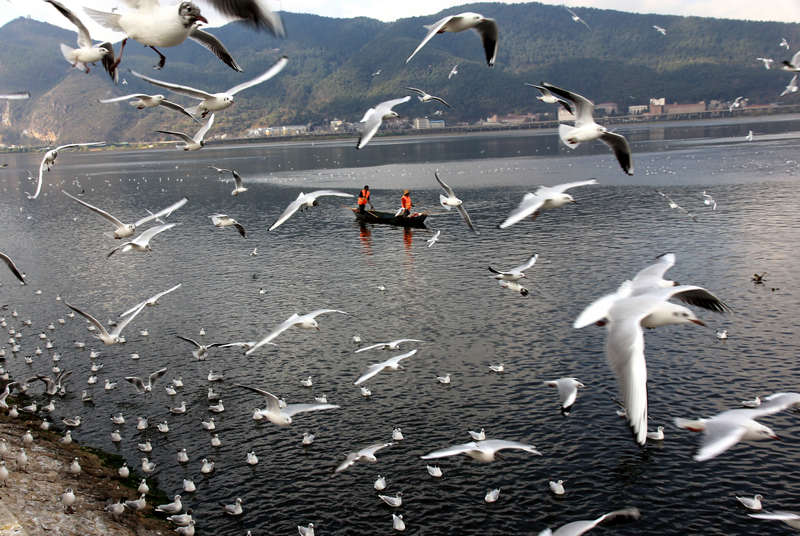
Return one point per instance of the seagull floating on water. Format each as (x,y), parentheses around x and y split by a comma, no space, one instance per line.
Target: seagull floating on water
(751,503)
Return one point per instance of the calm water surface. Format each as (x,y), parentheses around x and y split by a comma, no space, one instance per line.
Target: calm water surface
(442,295)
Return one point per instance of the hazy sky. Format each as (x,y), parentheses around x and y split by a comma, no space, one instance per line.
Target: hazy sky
(778,10)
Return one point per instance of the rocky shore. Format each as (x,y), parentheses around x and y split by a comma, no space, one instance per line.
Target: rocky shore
(30,502)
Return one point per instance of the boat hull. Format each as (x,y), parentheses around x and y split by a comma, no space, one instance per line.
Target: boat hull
(416,219)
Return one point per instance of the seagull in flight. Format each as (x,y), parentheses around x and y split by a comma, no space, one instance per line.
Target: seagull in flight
(367,454)
(586,129)
(20,95)
(784,43)
(766,61)
(201,350)
(282,416)
(450,200)
(453,72)
(737,103)
(104,335)
(373,118)
(547,97)
(576,528)
(709,201)
(391,345)
(142,242)
(791,88)
(673,204)
(13,267)
(306,321)
(49,161)
(427,97)
(152,301)
(659,29)
(483,451)
(576,18)
(515,274)
(792,65)
(124,230)
(141,386)
(567,391)
(486,28)
(391,363)
(237,179)
(196,142)
(545,197)
(85,53)
(223,220)
(142,101)
(304,201)
(155,25)
(215,102)
(724,430)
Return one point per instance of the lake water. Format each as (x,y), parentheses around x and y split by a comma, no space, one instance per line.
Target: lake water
(444,296)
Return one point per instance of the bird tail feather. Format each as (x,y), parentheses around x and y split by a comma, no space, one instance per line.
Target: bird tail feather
(564,132)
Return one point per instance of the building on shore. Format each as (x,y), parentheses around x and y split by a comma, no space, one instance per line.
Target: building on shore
(421,123)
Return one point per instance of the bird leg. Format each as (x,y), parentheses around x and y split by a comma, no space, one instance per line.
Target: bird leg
(162,59)
(117,61)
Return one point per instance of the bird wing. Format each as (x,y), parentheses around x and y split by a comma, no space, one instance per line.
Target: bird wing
(319,193)
(379,345)
(288,212)
(719,436)
(164,212)
(178,108)
(241,229)
(417,90)
(286,324)
(467,219)
(451,451)
(432,30)
(651,275)
(108,20)
(137,382)
(567,393)
(215,46)
(99,211)
(156,375)
(700,297)
(598,309)
(530,203)
(127,320)
(269,73)
(500,444)
(237,179)
(146,236)
(124,98)
(386,106)
(434,97)
(181,135)
(273,405)
(255,13)
(775,403)
(561,188)
(393,361)
(779,516)
(350,460)
(201,134)
(530,262)
(372,449)
(371,371)
(165,292)
(447,188)
(84,40)
(584,108)
(372,124)
(487,29)
(498,272)
(16,96)
(315,313)
(88,317)
(292,409)
(133,309)
(12,267)
(621,149)
(39,184)
(625,355)
(191,341)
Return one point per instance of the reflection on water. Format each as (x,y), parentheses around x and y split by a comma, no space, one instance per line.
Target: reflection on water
(443,296)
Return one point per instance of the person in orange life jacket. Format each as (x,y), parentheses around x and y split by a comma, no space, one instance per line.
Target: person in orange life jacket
(405,203)
(363,199)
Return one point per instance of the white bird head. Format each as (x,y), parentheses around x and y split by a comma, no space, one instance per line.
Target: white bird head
(126,230)
(189,14)
(683,315)
(763,432)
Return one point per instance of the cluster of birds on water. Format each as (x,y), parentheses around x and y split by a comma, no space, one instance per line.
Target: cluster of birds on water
(644,301)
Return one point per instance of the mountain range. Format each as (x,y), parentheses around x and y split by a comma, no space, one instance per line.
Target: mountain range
(621,59)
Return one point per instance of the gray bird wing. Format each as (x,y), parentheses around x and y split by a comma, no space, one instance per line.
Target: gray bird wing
(432,30)
(215,46)
(177,88)
(621,149)
(178,108)
(96,210)
(13,267)
(530,203)
(255,13)
(84,39)
(487,29)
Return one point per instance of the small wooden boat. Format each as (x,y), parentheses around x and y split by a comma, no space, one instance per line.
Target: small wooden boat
(416,219)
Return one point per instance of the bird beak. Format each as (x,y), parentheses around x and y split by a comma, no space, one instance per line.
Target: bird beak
(773,436)
(699,322)
(202,19)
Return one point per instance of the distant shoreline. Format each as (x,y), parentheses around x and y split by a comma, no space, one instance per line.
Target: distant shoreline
(777,112)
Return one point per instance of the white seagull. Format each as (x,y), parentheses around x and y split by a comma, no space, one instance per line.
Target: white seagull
(659,29)
(576,528)
(223,220)
(547,97)
(545,197)
(49,161)
(435,238)
(214,102)
(391,345)
(13,267)
(196,142)
(766,61)
(142,387)
(453,72)
(304,201)
(104,335)
(124,230)
(85,53)
(427,97)
(282,416)
(306,321)
(237,179)
(142,101)
(724,430)
(201,350)
(792,87)
(792,65)
(753,503)
(576,18)
(674,205)
(486,28)
(142,242)
(515,274)
(586,129)
(784,43)
(483,451)
(567,391)
(374,117)
(709,201)
(391,363)
(367,454)
(152,301)
(450,200)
